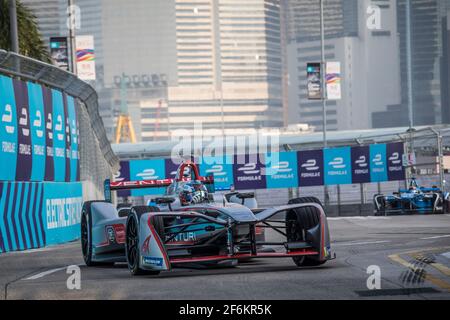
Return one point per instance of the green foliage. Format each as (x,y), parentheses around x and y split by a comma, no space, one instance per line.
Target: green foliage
(30,40)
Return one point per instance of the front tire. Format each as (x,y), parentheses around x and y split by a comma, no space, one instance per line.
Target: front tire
(132,248)
(298,221)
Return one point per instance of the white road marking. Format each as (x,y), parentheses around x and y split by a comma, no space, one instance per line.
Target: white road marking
(436,237)
(446,254)
(360,243)
(359,218)
(46,273)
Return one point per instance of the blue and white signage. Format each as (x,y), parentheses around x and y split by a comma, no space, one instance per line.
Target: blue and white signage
(222,169)
(281,172)
(378,165)
(337,166)
(360,164)
(147,170)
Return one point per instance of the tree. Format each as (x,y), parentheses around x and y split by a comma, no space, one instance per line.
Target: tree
(30,40)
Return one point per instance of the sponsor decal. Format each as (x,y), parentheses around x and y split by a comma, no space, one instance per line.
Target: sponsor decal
(153,261)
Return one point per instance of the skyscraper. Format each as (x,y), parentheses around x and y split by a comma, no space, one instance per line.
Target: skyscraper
(47,14)
(215,61)
(369,60)
(229,65)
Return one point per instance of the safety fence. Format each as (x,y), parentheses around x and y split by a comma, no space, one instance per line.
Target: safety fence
(54,153)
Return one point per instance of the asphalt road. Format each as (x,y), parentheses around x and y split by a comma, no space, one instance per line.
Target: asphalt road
(412,253)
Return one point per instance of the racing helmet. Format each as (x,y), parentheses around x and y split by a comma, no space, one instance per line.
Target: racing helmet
(193,192)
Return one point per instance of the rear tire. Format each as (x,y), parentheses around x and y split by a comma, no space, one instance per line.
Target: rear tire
(132,249)
(297,222)
(86,236)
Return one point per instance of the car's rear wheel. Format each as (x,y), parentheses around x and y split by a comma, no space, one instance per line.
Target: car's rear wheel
(132,249)
(298,221)
(86,236)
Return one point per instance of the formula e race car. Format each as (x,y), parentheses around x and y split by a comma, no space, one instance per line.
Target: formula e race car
(415,199)
(187,227)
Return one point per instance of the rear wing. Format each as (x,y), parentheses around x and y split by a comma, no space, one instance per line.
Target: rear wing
(110,186)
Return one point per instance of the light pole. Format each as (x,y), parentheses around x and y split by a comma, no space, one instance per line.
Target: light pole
(73,54)
(323,64)
(14,34)
(409,80)
(323,82)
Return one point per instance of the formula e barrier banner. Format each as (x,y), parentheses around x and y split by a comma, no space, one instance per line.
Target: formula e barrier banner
(123,175)
(36,214)
(310,168)
(62,211)
(249,172)
(334,166)
(38,133)
(337,166)
(378,168)
(147,170)
(360,164)
(396,171)
(282,170)
(221,168)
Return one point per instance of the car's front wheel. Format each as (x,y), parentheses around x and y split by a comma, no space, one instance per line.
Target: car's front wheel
(132,249)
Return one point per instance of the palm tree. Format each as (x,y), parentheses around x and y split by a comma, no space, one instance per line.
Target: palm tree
(30,40)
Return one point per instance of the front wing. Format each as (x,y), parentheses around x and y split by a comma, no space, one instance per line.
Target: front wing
(157,254)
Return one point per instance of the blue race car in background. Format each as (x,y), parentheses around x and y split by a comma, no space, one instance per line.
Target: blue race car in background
(415,199)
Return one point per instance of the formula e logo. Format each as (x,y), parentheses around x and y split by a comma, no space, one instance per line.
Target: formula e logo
(362,162)
(249,169)
(282,167)
(377,160)
(337,163)
(23,122)
(49,126)
(148,174)
(310,165)
(37,123)
(7,118)
(217,170)
(117,177)
(395,158)
(59,128)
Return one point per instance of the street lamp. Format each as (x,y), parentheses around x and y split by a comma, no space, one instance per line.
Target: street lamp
(323,82)
(13,26)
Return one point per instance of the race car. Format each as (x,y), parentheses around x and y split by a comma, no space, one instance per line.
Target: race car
(415,199)
(187,227)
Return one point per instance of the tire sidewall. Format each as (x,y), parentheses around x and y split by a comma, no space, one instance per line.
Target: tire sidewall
(133,269)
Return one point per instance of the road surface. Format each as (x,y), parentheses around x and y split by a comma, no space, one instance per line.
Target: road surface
(411,252)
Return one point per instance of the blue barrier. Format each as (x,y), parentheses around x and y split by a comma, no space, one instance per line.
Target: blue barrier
(36,214)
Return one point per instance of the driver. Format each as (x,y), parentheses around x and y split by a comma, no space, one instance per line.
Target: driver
(193,192)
